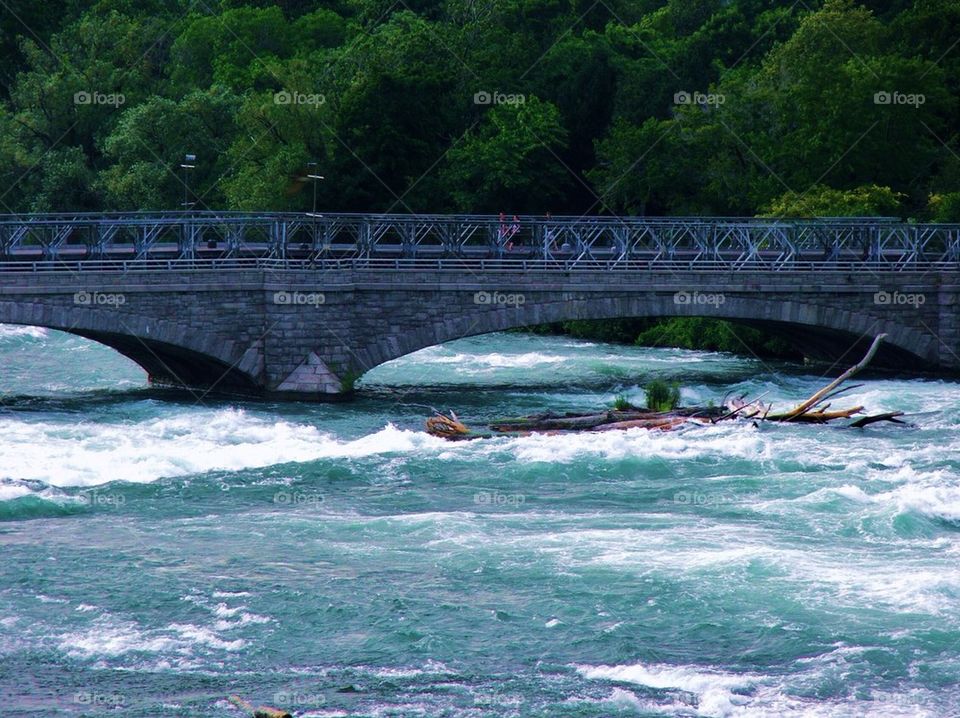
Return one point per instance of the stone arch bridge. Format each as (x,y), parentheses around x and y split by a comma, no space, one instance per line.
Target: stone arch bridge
(307,333)
(289,315)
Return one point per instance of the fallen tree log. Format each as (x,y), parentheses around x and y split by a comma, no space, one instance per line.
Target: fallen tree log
(813,410)
(663,423)
(822,417)
(888,416)
(820,395)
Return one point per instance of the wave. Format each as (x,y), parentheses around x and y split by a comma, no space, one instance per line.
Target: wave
(732,441)
(198,441)
(90,454)
(724,694)
(101,636)
(493,360)
(110,639)
(933,494)
(13,331)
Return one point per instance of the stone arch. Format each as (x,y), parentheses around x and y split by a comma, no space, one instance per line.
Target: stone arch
(824,331)
(169,352)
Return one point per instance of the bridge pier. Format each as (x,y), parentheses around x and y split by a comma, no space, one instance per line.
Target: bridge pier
(309,333)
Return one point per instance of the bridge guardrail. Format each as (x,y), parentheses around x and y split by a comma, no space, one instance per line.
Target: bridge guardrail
(572,242)
(485,266)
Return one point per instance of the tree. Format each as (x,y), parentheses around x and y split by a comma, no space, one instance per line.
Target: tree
(236,48)
(820,201)
(945,207)
(150,140)
(509,161)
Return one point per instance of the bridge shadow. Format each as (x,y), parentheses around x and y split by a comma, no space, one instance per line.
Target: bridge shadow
(175,367)
(824,345)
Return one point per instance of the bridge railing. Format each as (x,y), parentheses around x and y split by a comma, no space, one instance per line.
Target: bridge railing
(323,268)
(573,242)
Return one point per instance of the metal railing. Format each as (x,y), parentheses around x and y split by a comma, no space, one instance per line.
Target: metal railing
(230,240)
(399,267)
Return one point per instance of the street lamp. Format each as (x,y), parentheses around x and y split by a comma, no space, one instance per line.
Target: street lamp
(314,178)
(312,175)
(187,164)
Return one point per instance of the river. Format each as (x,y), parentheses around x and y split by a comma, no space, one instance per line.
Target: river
(162,550)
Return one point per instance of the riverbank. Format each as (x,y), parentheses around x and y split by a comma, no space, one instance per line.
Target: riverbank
(696,333)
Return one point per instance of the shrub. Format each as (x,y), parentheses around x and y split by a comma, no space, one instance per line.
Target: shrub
(662,396)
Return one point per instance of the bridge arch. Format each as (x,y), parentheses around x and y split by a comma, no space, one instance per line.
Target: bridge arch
(819,331)
(171,353)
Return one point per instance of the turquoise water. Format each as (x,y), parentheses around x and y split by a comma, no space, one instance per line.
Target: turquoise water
(163,550)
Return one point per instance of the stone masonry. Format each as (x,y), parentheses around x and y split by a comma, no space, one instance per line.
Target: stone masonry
(310,334)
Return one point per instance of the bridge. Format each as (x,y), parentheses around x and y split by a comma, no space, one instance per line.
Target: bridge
(299,306)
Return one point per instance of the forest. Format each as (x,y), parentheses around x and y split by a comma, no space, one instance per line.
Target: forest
(641,107)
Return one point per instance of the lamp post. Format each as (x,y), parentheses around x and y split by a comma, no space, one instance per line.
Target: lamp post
(314,178)
(187,165)
(312,175)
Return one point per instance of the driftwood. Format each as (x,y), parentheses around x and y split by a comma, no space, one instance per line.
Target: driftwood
(663,423)
(258,711)
(867,420)
(823,393)
(813,410)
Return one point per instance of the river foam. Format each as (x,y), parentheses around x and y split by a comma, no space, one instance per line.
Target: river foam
(712,693)
(89,454)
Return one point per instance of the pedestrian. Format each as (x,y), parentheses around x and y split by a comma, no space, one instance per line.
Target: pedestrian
(515,227)
(549,243)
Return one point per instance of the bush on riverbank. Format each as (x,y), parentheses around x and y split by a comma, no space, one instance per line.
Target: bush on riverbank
(681,332)
(715,335)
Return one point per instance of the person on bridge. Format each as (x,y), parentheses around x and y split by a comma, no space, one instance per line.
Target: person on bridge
(512,231)
(549,234)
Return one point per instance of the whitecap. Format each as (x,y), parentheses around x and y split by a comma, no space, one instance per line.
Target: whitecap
(15,331)
(714,689)
(89,454)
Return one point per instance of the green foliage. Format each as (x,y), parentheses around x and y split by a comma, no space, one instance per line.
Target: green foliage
(606,330)
(508,161)
(348,382)
(715,335)
(820,201)
(945,207)
(662,396)
(682,332)
(620,403)
(142,175)
(795,126)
